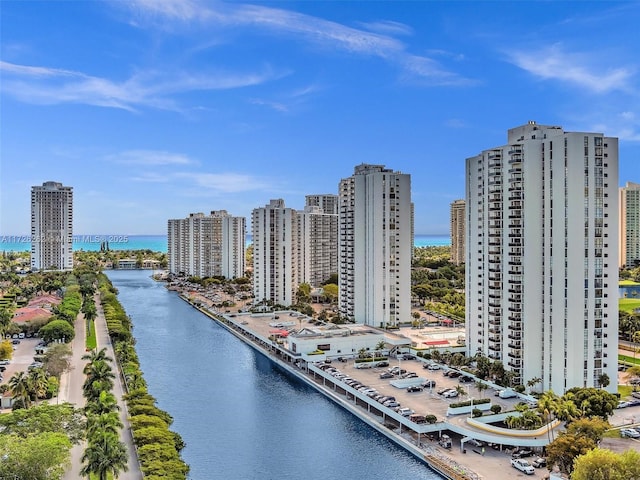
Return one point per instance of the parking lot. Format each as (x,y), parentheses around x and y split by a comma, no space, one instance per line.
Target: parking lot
(22,357)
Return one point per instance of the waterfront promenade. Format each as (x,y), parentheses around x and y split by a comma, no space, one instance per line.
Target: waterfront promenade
(71,391)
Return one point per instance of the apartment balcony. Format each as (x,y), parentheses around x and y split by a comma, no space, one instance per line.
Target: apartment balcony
(515,336)
(515,150)
(515,308)
(517,289)
(515,262)
(494,330)
(515,327)
(515,271)
(515,195)
(495,322)
(494,303)
(494,356)
(516,345)
(515,364)
(494,348)
(495,268)
(495,277)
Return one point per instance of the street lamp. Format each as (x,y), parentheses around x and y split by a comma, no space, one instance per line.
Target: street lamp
(470,398)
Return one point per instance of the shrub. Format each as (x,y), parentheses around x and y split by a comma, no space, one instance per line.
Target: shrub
(431,419)
(496,409)
(476,413)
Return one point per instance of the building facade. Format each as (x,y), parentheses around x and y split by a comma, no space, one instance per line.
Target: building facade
(328,202)
(275,252)
(542,238)
(375,246)
(207,245)
(458,239)
(317,245)
(629,225)
(51,226)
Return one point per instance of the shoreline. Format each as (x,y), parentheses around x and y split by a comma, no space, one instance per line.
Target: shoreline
(430,456)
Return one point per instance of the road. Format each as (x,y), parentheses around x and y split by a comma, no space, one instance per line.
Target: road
(71,391)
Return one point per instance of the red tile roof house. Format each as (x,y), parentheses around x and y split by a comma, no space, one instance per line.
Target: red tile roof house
(28,314)
(47,301)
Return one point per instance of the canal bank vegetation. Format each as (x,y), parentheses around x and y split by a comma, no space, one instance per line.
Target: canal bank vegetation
(158,447)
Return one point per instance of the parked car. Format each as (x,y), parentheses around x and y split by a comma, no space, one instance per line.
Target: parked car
(450,394)
(429,384)
(409,375)
(405,411)
(522,465)
(414,388)
(629,433)
(5,362)
(539,462)
(442,391)
(454,374)
(466,380)
(522,453)
(432,366)
(391,404)
(506,393)
(386,375)
(445,441)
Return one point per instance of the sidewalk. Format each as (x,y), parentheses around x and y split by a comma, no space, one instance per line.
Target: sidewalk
(71,391)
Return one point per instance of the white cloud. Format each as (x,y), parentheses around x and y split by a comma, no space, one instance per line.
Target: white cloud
(149,157)
(388,27)
(325,33)
(49,86)
(552,63)
(225,182)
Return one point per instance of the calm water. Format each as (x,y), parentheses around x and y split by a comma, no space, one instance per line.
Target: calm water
(242,417)
(157,243)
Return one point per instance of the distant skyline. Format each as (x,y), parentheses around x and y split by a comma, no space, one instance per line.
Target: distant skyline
(152,110)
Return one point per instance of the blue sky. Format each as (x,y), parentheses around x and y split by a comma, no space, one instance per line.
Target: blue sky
(154,109)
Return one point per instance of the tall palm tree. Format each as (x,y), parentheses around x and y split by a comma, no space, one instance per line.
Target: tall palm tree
(548,405)
(105,454)
(106,402)
(481,386)
(96,356)
(100,377)
(20,387)
(103,422)
(38,382)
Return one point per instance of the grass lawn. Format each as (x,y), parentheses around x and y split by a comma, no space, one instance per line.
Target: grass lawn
(628,304)
(92,341)
(625,390)
(627,360)
(627,283)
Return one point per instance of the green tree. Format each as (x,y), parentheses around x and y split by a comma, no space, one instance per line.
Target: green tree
(592,402)
(57,359)
(105,402)
(566,448)
(103,422)
(43,456)
(6,350)
(57,330)
(304,293)
(105,454)
(481,386)
(592,428)
(41,418)
(38,382)
(99,378)
(96,356)
(330,292)
(603,464)
(632,372)
(20,388)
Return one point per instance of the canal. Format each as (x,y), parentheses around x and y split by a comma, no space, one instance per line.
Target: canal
(241,417)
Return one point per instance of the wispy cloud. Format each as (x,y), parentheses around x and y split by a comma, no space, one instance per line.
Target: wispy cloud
(149,158)
(387,27)
(225,182)
(314,30)
(50,86)
(553,63)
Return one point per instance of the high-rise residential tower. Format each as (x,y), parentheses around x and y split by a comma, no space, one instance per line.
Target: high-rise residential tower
(51,226)
(317,245)
(542,242)
(629,225)
(457,231)
(275,252)
(375,246)
(207,245)
(327,201)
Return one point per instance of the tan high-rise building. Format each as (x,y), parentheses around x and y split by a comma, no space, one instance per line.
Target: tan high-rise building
(317,245)
(51,226)
(458,238)
(629,225)
(207,245)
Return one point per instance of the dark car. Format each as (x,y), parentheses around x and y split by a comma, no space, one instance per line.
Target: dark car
(429,384)
(539,462)
(466,380)
(414,388)
(522,453)
(453,374)
(386,375)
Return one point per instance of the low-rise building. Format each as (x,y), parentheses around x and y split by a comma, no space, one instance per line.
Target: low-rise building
(334,341)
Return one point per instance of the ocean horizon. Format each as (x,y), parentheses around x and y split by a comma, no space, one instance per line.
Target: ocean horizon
(156,243)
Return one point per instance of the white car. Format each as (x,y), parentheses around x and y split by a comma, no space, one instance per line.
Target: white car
(522,465)
(405,412)
(450,394)
(433,366)
(629,432)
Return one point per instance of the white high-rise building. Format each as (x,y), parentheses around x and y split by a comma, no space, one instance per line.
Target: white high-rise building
(375,246)
(317,245)
(457,231)
(327,201)
(207,245)
(275,252)
(542,242)
(51,226)
(629,225)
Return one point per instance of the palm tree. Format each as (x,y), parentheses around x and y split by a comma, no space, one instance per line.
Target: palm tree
(533,382)
(481,386)
(106,402)
(548,405)
(603,380)
(103,422)
(99,377)
(104,455)
(96,356)
(20,387)
(38,382)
